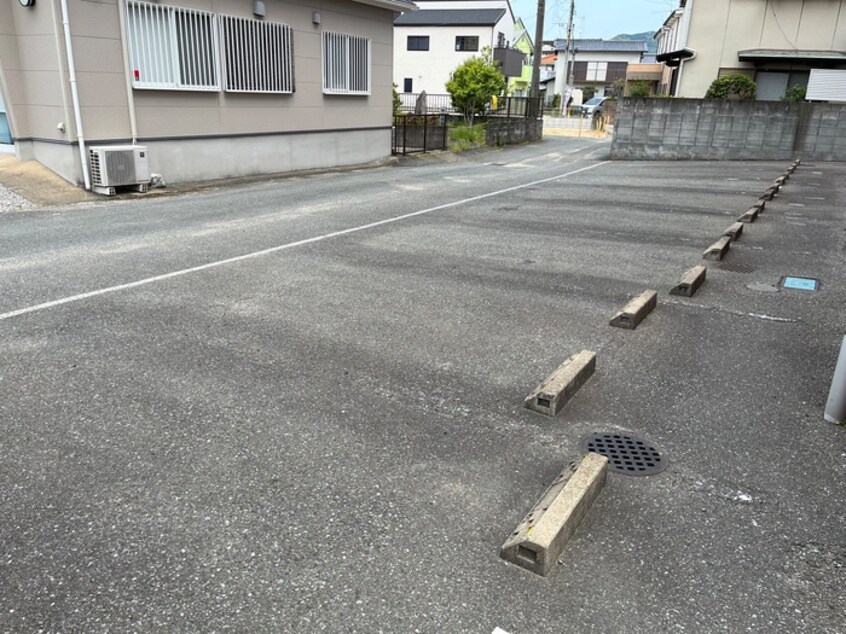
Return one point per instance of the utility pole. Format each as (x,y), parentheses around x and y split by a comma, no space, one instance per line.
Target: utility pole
(571,59)
(535,89)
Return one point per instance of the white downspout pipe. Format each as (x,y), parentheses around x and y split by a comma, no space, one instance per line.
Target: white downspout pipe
(77,116)
(130,96)
(688,16)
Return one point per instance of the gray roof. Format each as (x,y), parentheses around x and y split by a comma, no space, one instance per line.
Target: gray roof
(451,17)
(604,46)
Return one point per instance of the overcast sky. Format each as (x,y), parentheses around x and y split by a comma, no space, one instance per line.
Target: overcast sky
(603,19)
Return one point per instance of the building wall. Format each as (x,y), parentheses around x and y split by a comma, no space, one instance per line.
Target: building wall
(721,28)
(590,56)
(430,70)
(169,117)
(697,129)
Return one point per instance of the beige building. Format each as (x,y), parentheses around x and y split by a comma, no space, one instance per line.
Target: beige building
(775,42)
(212,88)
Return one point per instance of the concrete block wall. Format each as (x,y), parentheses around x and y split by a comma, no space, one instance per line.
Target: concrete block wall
(700,129)
(504,131)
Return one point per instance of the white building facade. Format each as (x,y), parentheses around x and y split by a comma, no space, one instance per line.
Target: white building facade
(431,43)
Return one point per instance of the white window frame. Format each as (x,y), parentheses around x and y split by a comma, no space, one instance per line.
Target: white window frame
(338,74)
(157,49)
(596,71)
(266,64)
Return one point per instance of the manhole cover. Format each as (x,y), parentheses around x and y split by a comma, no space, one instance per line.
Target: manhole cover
(627,454)
(735,268)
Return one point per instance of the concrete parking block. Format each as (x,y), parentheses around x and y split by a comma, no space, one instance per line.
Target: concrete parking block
(760,204)
(734,230)
(538,541)
(551,395)
(770,193)
(749,216)
(718,250)
(690,282)
(635,311)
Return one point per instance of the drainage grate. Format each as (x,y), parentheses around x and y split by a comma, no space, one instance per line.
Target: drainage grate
(627,454)
(735,268)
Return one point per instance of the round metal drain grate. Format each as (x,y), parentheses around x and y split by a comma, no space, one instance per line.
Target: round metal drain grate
(735,268)
(627,454)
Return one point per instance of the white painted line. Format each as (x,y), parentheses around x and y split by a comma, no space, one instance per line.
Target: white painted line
(282,247)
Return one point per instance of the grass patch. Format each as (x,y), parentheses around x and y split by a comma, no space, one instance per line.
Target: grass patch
(464,137)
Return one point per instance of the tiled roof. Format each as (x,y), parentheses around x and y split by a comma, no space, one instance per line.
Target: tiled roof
(604,46)
(451,17)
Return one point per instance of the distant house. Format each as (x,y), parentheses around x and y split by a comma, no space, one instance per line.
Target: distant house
(776,43)
(597,63)
(521,43)
(432,42)
(212,88)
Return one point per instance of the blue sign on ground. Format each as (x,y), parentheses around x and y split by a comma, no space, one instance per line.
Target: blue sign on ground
(800,283)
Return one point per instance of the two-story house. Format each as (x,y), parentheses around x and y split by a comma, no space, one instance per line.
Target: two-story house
(775,42)
(596,63)
(432,42)
(211,88)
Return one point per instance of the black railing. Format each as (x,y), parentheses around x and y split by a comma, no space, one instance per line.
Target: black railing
(419,133)
(424,103)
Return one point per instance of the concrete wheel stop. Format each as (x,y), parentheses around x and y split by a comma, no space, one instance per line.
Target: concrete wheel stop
(560,386)
(538,541)
(635,311)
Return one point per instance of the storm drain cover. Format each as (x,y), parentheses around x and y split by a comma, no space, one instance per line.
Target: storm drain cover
(627,454)
(800,283)
(735,268)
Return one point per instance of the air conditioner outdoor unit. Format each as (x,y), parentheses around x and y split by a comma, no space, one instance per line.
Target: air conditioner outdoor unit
(118,165)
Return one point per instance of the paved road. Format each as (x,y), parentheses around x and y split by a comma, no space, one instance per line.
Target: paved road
(296,406)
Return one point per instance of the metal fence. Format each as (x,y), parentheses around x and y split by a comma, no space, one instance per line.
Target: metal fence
(510,119)
(419,133)
(425,103)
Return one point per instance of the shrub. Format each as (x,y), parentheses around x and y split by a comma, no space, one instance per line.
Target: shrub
(795,94)
(473,83)
(734,86)
(639,88)
(397,101)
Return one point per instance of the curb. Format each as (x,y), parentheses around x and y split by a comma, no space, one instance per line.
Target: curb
(539,539)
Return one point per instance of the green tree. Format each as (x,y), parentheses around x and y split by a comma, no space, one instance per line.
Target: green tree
(639,88)
(473,83)
(734,86)
(795,94)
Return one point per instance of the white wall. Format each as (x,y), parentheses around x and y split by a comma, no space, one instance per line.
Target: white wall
(430,69)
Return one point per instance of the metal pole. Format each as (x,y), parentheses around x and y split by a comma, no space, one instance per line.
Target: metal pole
(571,58)
(536,60)
(404,128)
(835,407)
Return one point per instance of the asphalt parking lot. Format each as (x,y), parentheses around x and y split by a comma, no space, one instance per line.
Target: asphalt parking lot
(296,406)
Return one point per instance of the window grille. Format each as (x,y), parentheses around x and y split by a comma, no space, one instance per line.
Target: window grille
(257,56)
(172,48)
(346,64)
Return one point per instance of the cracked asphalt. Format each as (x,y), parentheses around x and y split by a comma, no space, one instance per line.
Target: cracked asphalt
(323,430)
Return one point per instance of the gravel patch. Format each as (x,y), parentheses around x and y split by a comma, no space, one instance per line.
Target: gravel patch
(10,201)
